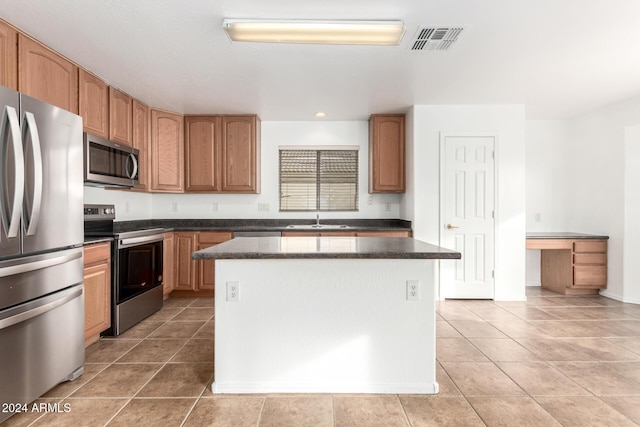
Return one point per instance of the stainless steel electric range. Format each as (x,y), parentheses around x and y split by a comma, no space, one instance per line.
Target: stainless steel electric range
(136,267)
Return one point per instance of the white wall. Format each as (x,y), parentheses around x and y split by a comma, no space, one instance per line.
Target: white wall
(131,205)
(583,175)
(507,121)
(631,245)
(408,200)
(546,164)
(275,134)
(547,184)
(597,200)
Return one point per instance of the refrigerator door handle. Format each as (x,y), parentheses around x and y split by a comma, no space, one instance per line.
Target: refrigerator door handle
(31,313)
(37,265)
(31,128)
(11,222)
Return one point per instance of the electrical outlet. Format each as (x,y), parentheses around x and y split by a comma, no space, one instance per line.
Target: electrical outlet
(174,207)
(263,207)
(537,217)
(387,207)
(413,290)
(233,291)
(370,200)
(214,207)
(126,206)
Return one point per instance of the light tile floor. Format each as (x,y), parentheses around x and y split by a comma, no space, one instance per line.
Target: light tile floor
(553,360)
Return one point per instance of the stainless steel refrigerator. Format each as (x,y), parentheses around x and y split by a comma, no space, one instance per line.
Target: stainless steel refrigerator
(41,235)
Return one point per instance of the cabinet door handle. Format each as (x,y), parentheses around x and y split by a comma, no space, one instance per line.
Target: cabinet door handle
(449,226)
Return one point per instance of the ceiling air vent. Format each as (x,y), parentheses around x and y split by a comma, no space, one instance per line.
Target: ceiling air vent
(435,38)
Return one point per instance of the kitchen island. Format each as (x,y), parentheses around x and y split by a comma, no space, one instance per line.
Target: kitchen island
(325,314)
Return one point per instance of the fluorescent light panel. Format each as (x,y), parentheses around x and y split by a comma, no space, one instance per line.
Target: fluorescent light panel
(315,31)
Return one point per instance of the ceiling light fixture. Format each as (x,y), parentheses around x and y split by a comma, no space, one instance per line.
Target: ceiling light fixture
(382,33)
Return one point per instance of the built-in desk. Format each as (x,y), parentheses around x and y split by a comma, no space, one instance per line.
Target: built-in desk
(571,263)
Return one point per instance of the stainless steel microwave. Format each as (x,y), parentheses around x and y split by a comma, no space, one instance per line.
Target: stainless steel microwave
(107,163)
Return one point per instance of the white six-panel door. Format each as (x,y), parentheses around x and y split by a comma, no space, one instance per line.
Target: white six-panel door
(467,215)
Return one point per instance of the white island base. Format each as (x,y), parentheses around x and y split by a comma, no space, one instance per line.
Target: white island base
(324,325)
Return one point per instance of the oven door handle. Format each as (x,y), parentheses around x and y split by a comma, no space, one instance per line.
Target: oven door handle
(134,241)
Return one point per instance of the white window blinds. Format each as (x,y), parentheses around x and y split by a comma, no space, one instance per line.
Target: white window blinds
(318,180)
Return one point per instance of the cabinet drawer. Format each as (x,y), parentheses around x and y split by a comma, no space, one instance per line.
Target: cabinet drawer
(300,234)
(590,276)
(383,234)
(548,244)
(96,253)
(590,246)
(586,258)
(214,237)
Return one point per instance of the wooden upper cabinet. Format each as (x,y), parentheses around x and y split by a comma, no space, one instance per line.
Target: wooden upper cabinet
(167,152)
(93,101)
(142,141)
(46,75)
(202,153)
(240,154)
(8,56)
(387,153)
(120,116)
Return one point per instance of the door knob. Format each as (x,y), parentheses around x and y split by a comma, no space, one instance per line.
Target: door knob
(449,226)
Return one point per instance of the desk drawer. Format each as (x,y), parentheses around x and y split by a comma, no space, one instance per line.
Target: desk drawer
(586,258)
(590,246)
(590,276)
(548,244)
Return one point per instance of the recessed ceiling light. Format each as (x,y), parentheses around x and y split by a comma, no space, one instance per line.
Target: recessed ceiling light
(315,31)
(320,114)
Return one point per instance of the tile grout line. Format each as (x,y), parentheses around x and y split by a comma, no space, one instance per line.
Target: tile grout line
(156,373)
(546,362)
(404,410)
(264,401)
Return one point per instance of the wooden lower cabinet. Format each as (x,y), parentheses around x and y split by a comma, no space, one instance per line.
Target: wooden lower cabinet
(195,278)
(590,264)
(97,291)
(168,260)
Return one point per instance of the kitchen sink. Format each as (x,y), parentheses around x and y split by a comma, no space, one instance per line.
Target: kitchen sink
(318,227)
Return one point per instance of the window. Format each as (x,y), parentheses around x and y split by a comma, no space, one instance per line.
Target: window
(318,180)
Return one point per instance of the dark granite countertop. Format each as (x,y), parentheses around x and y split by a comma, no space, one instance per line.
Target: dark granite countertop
(96,239)
(259,224)
(325,248)
(562,235)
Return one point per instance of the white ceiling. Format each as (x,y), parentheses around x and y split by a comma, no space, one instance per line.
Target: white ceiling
(559,57)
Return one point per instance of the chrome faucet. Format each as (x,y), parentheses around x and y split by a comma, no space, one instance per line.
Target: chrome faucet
(318,219)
